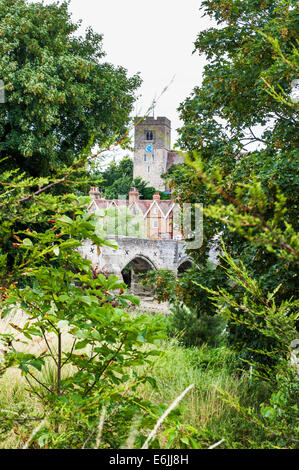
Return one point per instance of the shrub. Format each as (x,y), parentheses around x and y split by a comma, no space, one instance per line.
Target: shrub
(66,297)
(193,330)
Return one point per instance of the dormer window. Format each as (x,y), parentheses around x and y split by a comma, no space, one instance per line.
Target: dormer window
(149,135)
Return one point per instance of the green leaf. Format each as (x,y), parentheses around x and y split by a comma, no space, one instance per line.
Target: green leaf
(140,338)
(23,366)
(66,219)
(185,440)
(89,300)
(64,297)
(194,443)
(27,243)
(43,439)
(82,344)
(132,298)
(6,312)
(37,364)
(153,382)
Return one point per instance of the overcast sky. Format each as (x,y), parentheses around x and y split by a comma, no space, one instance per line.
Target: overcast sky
(154,38)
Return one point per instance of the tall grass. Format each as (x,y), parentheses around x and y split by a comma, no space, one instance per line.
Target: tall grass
(209,369)
(17,398)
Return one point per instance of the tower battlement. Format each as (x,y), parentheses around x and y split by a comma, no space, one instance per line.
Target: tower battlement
(150,119)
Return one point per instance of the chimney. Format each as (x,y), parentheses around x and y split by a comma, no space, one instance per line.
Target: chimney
(156,196)
(133,195)
(95,193)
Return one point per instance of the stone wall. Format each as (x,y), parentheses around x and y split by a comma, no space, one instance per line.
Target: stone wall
(161,128)
(155,254)
(149,170)
(151,165)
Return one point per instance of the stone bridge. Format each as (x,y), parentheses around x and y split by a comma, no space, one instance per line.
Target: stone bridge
(136,256)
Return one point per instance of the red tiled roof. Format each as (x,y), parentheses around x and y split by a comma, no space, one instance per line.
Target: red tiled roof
(142,204)
(101,203)
(165,206)
(119,202)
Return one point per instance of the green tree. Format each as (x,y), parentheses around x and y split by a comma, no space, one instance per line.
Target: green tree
(66,297)
(252,58)
(115,171)
(117,179)
(120,187)
(145,191)
(59,91)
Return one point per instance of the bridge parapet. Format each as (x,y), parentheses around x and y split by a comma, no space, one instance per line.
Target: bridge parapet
(158,254)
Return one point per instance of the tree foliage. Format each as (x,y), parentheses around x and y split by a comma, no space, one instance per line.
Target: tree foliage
(250,194)
(117,179)
(240,130)
(96,342)
(60,99)
(59,91)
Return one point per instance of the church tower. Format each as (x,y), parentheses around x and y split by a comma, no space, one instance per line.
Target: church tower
(152,144)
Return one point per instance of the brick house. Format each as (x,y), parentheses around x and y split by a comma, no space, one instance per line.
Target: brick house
(160,218)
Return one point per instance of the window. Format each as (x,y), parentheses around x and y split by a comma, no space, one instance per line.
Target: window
(155,210)
(155,223)
(149,135)
(148,169)
(153,157)
(144,157)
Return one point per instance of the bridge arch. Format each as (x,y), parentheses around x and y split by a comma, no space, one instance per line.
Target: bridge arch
(185,264)
(141,260)
(133,272)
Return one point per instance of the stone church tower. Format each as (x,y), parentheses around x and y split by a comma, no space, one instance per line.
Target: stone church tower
(152,155)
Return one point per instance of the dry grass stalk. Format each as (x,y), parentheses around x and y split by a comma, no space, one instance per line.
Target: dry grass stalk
(132,434)
(217,444)
(34,432)
(100,428)
(165,414)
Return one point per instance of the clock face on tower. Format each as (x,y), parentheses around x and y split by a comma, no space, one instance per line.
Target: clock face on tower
(149,148)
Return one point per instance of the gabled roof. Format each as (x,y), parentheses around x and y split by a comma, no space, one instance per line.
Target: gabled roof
(164,206)
(118,202)
(100,203)
(142,205)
